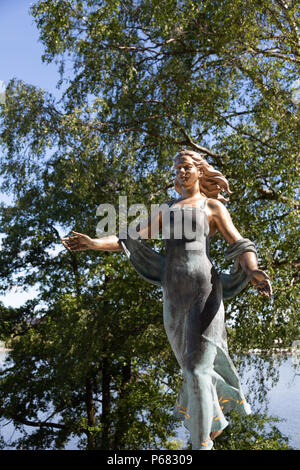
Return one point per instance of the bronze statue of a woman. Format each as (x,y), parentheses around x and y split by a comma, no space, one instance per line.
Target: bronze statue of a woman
(193,292)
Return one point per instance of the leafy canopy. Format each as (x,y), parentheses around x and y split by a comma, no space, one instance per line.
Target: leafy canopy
(140,80)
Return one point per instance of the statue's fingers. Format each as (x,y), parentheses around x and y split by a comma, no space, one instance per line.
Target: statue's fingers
(77,233)
(265,290)
(66,245)
(268,288)
(76,247)
(270,291)
(69,239)
(73,245)
(72,241)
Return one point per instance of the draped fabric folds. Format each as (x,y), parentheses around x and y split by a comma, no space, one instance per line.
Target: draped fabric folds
(150,264)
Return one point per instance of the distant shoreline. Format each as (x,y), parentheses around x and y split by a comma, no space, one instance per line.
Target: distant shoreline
(278,351)
(272,350)
(286,351)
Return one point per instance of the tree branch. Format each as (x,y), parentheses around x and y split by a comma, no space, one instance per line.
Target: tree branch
(271,53)
(293,25)
(252,137)
(188,140)
(271,195)
(39,424)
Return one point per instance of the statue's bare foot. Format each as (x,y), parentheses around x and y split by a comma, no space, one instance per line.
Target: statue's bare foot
(215,434)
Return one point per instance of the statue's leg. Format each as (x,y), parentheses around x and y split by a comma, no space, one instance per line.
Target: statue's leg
(199,370)
(196,357)
(215,434)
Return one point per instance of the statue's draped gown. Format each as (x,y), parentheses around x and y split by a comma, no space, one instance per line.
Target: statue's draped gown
(193,313)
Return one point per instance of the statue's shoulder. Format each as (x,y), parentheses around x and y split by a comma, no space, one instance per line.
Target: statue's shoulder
(216,206)
(214,203)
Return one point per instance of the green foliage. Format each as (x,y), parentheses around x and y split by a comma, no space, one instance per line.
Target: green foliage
(255,432)
(89,354)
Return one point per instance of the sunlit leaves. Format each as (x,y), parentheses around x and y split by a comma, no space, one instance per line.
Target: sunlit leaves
(140,80)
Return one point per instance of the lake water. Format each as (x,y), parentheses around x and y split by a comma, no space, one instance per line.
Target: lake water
(283,402)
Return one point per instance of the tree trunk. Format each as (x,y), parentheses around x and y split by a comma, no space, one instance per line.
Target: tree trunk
(122,420)
(105,418)
(90,408)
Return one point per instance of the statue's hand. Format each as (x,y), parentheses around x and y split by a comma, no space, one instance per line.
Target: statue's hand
(79,242)
(261,281)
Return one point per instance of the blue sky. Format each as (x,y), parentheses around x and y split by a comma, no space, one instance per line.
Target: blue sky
(20,48)
(20,57)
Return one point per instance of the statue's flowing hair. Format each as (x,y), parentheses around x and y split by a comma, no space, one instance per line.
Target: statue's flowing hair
(211,181)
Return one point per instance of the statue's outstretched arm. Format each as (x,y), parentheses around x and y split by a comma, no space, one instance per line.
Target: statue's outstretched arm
(82,242)
(146,229)
(220,221)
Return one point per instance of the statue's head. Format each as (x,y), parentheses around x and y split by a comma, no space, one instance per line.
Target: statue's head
(197,169)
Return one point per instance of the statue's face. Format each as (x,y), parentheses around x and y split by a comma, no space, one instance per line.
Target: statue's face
(187,174)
